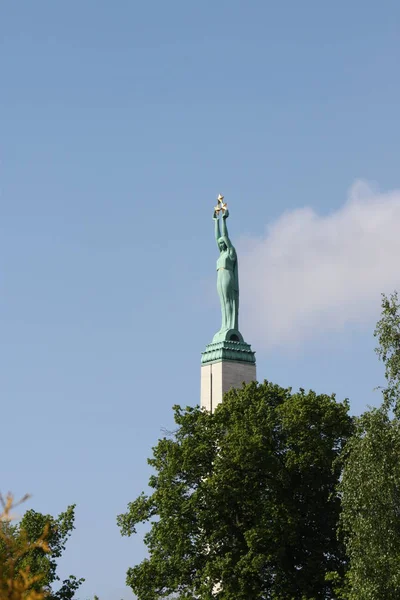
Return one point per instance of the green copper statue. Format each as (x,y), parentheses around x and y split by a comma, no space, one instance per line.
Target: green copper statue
(227,277)
(228,343)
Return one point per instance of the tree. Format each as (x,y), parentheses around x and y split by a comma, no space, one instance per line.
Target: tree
(17,583)
(370,487)
(32,547)
(243,501)
(388,350)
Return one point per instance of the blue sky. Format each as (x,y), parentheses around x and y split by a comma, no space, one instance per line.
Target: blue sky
(120,122)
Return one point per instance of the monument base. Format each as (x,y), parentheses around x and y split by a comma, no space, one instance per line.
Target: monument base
(225,365)
(219,377)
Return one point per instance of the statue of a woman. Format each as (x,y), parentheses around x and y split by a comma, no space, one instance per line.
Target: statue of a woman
(227,281)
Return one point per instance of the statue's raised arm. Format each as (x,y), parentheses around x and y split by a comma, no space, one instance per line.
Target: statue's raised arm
(224,230)
(216,226)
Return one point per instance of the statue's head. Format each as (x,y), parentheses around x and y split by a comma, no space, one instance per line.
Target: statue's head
(221,244)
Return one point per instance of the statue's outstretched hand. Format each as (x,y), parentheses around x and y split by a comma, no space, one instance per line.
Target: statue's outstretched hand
(225,215)
(215,215)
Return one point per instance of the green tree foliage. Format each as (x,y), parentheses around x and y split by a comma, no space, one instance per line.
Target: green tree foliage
(17,583)
(243,502)
(370,487)
(370,519)
(388,350)
(19,547)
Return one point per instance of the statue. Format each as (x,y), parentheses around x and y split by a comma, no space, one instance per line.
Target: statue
(227,277)
(227,344)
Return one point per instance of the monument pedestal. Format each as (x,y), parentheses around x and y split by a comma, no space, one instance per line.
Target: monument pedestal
(225,365)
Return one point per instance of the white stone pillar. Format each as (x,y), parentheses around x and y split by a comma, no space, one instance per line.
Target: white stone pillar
(219,377)
(225,365)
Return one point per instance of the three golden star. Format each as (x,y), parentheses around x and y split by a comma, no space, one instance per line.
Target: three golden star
(221,204)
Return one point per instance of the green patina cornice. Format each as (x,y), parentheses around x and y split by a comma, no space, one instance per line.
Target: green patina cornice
(228,350)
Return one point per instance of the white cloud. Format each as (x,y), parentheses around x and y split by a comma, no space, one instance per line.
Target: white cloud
(311,275)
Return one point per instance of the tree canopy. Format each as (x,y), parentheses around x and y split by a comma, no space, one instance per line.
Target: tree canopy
(243,502)
(370,487)
(29,552)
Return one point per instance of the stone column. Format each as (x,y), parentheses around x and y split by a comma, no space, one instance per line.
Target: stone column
(225,365)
